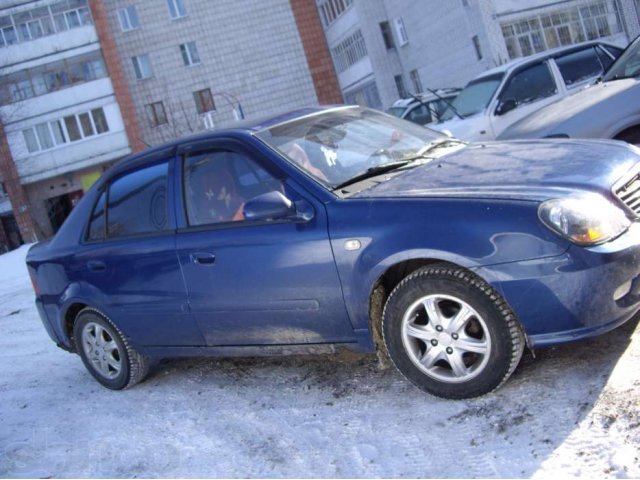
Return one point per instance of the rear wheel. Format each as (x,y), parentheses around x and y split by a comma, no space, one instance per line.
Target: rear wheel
(106,353)
(451,333)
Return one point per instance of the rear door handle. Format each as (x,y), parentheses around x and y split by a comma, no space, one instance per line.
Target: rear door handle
(203,258)
(96,266)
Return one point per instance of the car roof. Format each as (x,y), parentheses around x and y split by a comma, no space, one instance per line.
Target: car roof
(536,57)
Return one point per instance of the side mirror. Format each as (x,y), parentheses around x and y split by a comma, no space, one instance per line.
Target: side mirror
(269,206)
(506,106)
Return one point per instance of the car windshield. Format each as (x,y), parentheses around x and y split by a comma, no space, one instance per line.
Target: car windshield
(627,66)
(474,97)
(337,145)
(396,111)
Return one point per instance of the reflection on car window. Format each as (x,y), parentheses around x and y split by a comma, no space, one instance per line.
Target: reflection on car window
(420,115)
(579,66)
(218,183)
(138,202)
(474,97)
(96,223)
(529,85)
(336,145)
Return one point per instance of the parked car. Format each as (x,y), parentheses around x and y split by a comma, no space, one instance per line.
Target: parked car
(346,227)
(424,108)
(610,108)
(501,96)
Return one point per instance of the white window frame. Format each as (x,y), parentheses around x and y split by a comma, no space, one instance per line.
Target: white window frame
(188,51)
(137,67)
(125,17)
(65,132)
(178,7)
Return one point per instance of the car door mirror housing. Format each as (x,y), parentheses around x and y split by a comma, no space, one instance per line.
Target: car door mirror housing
(506,106)
(269,206)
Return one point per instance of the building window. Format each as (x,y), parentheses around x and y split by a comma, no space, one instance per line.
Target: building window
(156,114)
(204,100)
(176,8)
(142,66)
(349,51)
(330,10)
(387,36)
(128,18)
(415,80)
(51,77)
(189,53)
(3,190)
(561,27)
(465,3)
(42,21)
(402,90)
(366,96)
(476,45)
(401,32)
(71,128)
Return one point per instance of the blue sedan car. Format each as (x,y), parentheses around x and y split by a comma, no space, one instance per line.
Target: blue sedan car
(346,227)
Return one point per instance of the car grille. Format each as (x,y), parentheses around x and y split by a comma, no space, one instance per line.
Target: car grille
(629,193)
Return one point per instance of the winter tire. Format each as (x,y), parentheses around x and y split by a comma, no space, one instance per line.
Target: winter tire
(450,333)
(106,352)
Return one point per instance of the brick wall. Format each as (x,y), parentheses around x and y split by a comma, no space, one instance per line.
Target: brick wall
(118,79)
(21,205)
(316,51)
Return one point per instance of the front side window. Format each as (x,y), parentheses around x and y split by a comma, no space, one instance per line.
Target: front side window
(420,115)
(218,183)
(529,85)
(137,202)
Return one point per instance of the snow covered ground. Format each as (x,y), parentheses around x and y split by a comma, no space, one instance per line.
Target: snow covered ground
(573,410)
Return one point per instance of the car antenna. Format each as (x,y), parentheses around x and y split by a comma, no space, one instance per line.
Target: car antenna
(449,104)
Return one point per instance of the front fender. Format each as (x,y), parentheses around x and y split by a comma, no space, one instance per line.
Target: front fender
(470,233)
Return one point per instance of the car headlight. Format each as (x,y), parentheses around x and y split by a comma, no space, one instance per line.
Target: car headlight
(588,219)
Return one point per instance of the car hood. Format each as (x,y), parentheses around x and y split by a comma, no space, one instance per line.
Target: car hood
(521,170)
(600,104)
(464,128)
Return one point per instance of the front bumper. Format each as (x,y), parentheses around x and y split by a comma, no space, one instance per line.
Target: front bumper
(579,294)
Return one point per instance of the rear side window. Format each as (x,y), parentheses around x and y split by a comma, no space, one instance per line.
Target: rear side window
(579,66)
(96,223)
(529,85)
(137,202)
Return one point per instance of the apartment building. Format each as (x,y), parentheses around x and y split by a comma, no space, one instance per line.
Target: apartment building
(385,49)
(196,64)
(85,82)
(61,121)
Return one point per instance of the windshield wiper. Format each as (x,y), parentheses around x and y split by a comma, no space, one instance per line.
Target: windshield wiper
(373,172)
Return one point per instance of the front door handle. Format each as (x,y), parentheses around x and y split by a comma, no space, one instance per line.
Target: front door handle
(96,266)
(203,258)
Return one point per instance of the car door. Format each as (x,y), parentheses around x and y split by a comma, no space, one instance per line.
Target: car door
(525,91)
(255,282)
(128,264)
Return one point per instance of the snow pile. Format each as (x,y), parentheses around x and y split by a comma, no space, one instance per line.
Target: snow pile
(573,411)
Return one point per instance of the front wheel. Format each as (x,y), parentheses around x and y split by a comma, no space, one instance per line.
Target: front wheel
(106,352)
(451,333)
